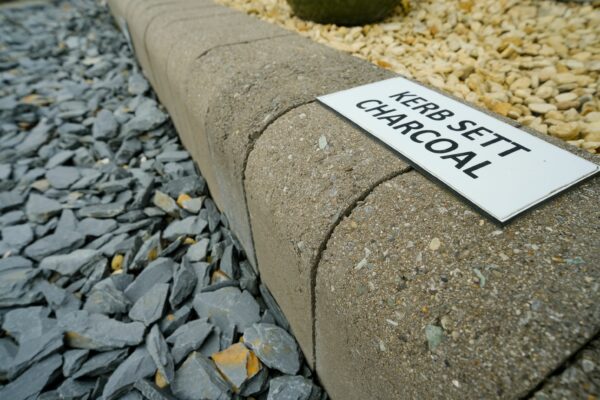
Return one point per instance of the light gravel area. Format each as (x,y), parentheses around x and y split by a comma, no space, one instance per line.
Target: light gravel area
(537,62)
(119,277)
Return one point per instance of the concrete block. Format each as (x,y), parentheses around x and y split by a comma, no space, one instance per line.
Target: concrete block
(181,27)
(447,304)
(305,172)
(261,81)
(197,37)
(140,16)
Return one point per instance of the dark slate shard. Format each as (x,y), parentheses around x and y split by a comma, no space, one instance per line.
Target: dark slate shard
(12,218)
(173,321)
(94,273)
(59,158)
(197,378)
(192,185)
(127,151)
(105,125)
(9,200)
(188,338)
(257,384)
(138,365)
(37,137)
(203,272)
(214,216)
(151,392)
(58,298)
(89,178)
(131,216)
(147,117)
(57,243)
(274,307)
(184,283)
(173,156)
(150,307)
(189,226)
(98,332)
(109,210)
(137,84)
(228,306)
(66,222)
(134,226)
(62,177)
(219,285)
(147,252)
(70,264)
(8,350)
(45,229)
(229,262)
(198,251)
(174,245)
(212,343)
(118,243)
(17,286)
(27,322)
(75,389)
(158,271)
(5,171)
(108,300)
(227,336)
(40,209)
(30,383)
(101,363)
(290,388)
(114,186)
(159,351)
(33,349)
(17,236)
(248,278)
(143,194)
(73,360)
(132,395)
(274,347)
(96,227)
(165,203)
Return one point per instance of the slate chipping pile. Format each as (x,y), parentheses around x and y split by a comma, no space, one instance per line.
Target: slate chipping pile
(119,278)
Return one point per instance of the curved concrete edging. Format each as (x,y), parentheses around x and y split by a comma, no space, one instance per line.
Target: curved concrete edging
(310,197)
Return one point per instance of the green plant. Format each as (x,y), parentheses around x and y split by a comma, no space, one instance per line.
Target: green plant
(343,12)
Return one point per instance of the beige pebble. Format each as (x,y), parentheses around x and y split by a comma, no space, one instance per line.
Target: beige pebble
(541,108)
(563,97)
(544,92)
(565,131)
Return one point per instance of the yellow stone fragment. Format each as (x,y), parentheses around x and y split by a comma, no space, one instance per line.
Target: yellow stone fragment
(160,380)
(182,197)
(152,254)
(189,240)
(170,317)
(237,364)
(252,365)
(117,262)
(219,276)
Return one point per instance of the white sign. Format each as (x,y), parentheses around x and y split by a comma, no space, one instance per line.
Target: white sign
(499,168)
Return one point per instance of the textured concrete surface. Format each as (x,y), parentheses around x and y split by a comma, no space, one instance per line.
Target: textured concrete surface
(263,80)
(510,303)
(580,379)
(298,188)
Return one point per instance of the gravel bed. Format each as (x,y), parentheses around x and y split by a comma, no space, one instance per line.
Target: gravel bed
(535,61)
(119,278)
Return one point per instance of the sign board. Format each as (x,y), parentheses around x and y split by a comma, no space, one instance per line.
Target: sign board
(500,169)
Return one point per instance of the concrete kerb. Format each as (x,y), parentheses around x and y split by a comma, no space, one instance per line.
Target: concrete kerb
(274,76)
(297,236)
(490,313)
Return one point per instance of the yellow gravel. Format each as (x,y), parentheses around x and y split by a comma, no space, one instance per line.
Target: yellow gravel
(534,61)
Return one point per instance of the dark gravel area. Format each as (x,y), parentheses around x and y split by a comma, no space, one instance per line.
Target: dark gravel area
(119,277)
